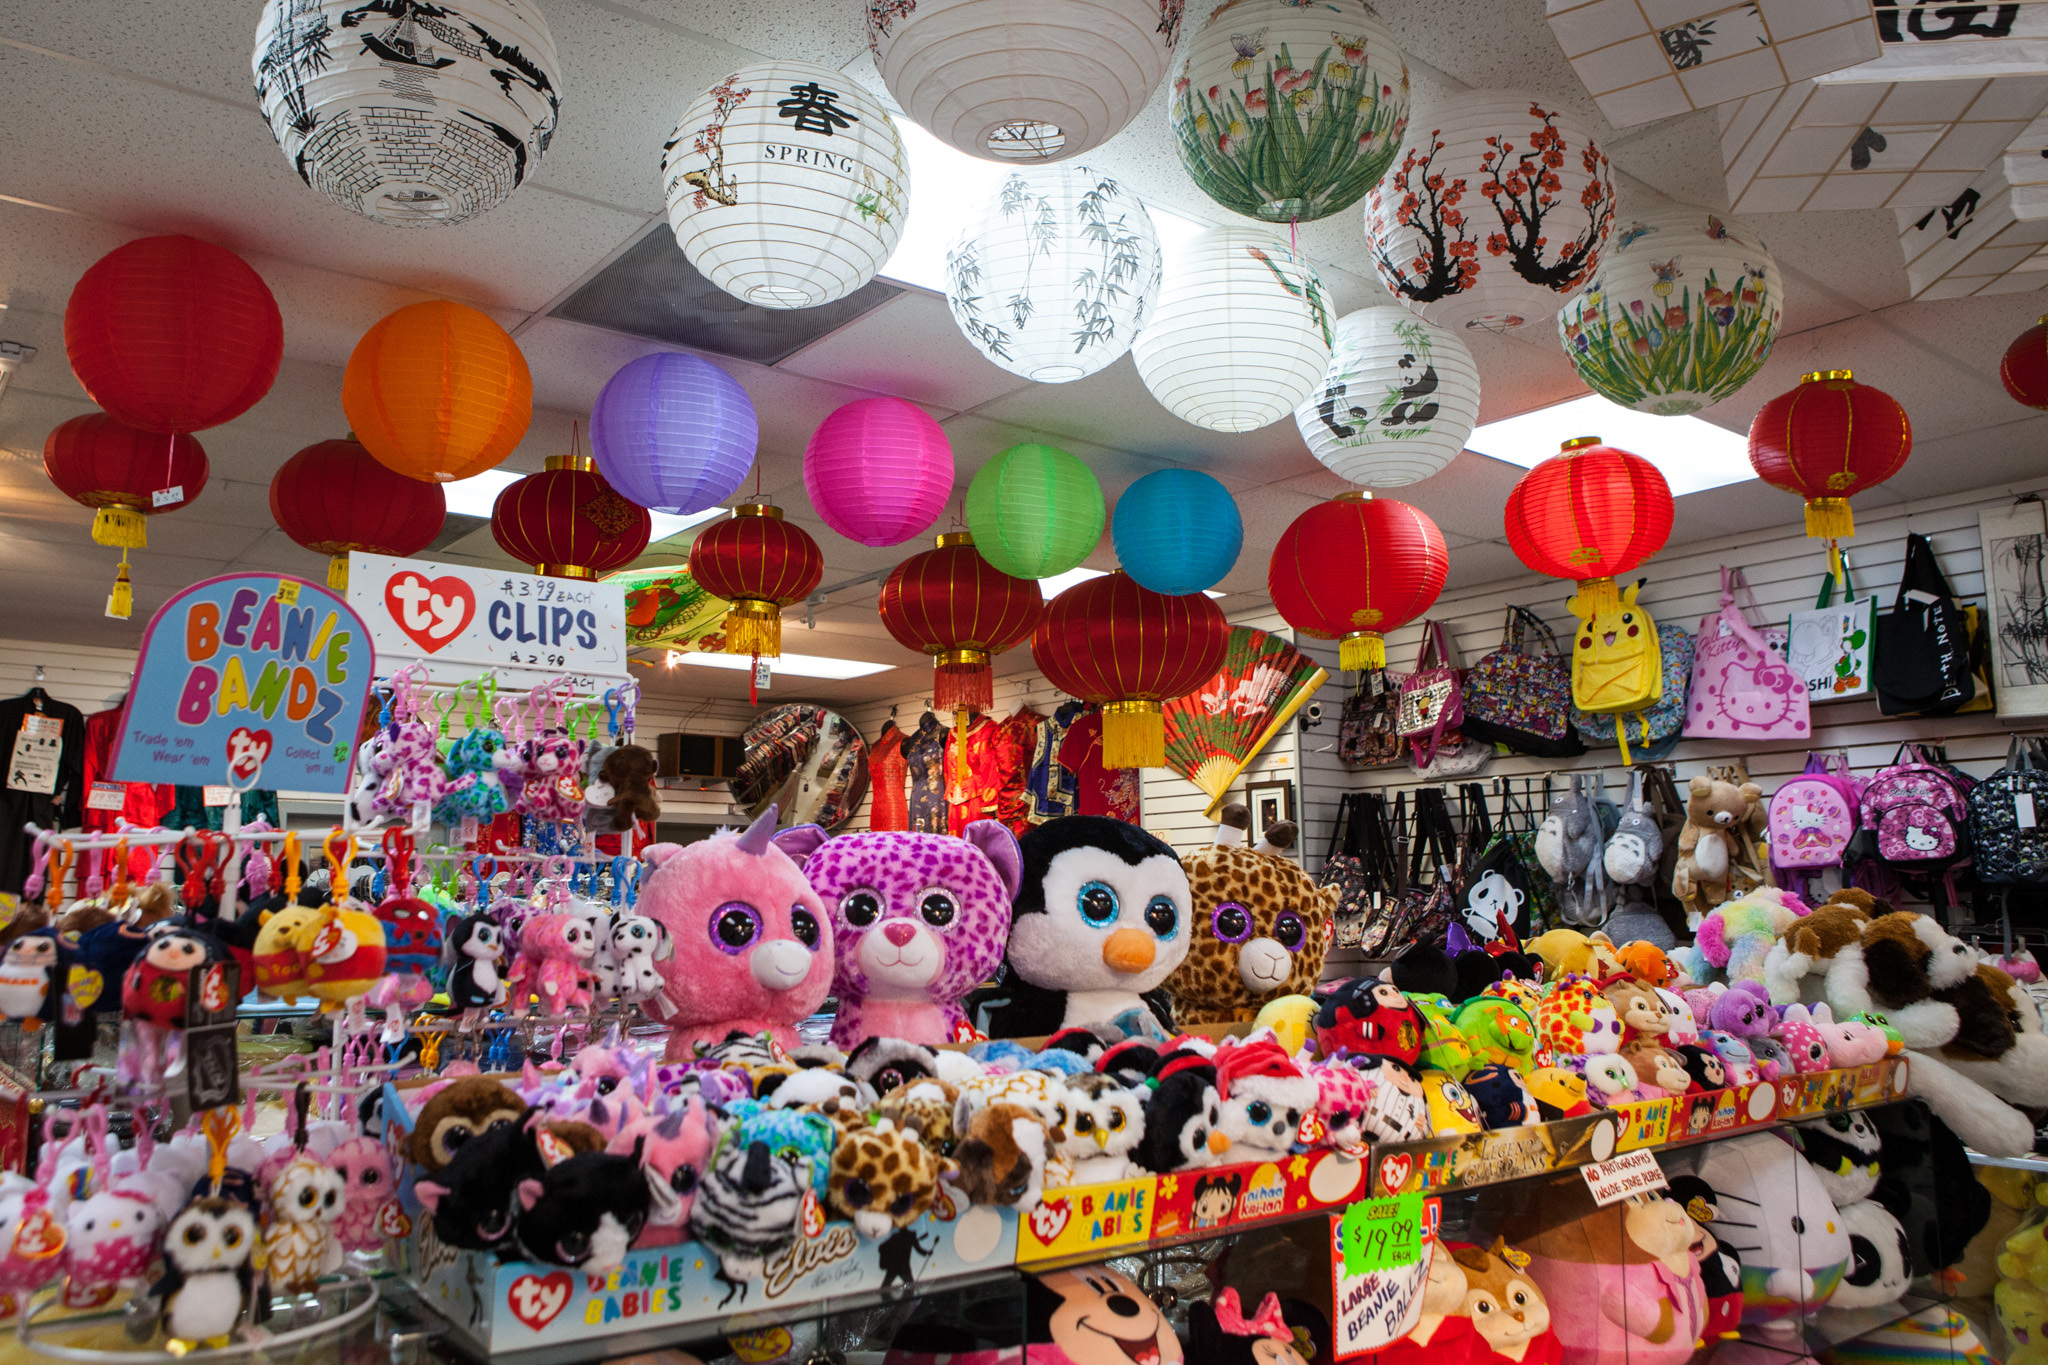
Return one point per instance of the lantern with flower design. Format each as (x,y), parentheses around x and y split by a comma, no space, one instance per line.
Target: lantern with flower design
(1828,440)
(760,564)
(567,522)
(1110,641)
(1354,568)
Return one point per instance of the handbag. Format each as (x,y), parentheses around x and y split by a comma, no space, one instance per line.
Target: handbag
(2009,819)
(1366,737)
(1520,695)
(1922,664)
(1389,840)
(1346,871)
(1432,699)
(1828,644)
(1741,688)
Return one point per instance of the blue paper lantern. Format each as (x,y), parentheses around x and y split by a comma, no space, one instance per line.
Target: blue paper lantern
(1177,531)
(674,433)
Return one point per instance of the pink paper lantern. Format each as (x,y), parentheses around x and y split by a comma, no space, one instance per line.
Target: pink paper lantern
(879,471)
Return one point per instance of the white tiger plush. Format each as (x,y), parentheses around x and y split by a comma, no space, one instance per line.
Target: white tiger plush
(750,1201)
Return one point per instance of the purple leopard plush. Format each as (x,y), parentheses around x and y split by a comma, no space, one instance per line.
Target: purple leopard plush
(918,920)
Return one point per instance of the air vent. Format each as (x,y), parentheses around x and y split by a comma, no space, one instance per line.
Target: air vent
(653,291)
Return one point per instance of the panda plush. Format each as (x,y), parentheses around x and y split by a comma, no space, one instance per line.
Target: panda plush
(1101,920)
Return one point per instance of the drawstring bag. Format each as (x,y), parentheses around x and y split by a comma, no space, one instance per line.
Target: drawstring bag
(1741,688)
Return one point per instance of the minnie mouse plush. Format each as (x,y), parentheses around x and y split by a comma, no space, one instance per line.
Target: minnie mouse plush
(1224,1335)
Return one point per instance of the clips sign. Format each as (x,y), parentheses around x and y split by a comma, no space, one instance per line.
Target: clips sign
(474,619)
(252,680)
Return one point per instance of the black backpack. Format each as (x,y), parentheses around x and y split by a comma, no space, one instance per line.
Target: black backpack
(2009,819)
(1922,664)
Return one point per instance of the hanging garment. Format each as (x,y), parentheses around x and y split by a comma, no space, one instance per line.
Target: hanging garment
(888,772)
(973,786)
(924,757)
(143,803)
(53,801)
(1051,785)
(1099,790)
(1014,750)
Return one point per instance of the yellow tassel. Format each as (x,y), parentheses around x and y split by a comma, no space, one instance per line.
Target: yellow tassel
(1133,735)
(1594,596)
(1363,649)
(124,528)
(337,573)
(1829,519)
(754,628)
(121,601)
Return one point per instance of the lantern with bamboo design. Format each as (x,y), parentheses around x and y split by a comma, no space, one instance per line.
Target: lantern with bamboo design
(1354,568)
(954,605)
(1130,650)
(334,497)
(1828,440)
(1589,513)
(124,475)
(567,522)
(760,564)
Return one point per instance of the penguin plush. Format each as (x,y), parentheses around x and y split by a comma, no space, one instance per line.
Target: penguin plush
(1100,921)
(1183,1118)
(208,1272)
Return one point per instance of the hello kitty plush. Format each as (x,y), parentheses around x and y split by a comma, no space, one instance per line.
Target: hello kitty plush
(1680,1029)
(1777,1217)
(753,940)
(918,920)
(111,1240)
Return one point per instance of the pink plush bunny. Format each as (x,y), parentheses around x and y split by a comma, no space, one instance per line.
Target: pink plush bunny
(554,955)
(1852,1042)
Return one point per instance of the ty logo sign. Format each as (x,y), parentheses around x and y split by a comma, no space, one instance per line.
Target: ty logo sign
(432,611)
(1049,1220)
(537,1301)
(247,751)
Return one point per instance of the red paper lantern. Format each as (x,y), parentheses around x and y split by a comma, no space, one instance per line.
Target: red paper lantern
(173,334)
(1353,569)
(335,497)
(1828,440)
(2025,367)
(118,471)
(957,607)
(761,564)
(567,521)
(1110,641)
(1588,514)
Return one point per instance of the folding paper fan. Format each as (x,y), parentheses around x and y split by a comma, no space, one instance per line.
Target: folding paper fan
(665,606)
(1214,732)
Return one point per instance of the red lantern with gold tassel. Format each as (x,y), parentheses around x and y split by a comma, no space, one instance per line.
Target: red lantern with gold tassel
(567,522)
(120,471)
(962,610)
(761,564)
(334,497)
(1589,513)
(1130,649)
(1353,569)
(1828,440)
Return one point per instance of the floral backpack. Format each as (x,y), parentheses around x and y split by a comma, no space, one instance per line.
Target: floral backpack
(1812,819)
(1917,812)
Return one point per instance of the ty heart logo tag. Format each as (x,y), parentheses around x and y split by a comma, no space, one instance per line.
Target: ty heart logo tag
(38,1237)
(814,1217)
(213,989)
(392,1221)
(1050,1219)
(247,751)
(431,611)
(538,1301)
(86,987)
(1394,1171)
(1311,1132)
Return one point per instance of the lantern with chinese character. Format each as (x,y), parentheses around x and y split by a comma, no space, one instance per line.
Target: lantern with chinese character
(567,522)
(1828,440)
(879,470)
(173,334)
(438,391)
(1110,641)
(1589,513)
(120,473)
(1354,568)
(1035,511)
(333,497)
(787,184)
(760,564)
(954,605)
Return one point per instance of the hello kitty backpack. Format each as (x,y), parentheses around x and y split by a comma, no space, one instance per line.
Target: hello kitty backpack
(1917,811)
(1812,820)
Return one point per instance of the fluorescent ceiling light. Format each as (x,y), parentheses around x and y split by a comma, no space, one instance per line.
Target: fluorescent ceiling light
(1693,455)
(1050,588)
(947,187)
(475,495)
(793,665)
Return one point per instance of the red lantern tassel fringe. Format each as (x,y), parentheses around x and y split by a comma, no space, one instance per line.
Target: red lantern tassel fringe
(754,627)
(1362,649)
(1829,519)
(124,528)
(337,573)
(1133,735)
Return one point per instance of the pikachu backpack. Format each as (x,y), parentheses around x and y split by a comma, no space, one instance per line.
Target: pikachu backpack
(1626,669)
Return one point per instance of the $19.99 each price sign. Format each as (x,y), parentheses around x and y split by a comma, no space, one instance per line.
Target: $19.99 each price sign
(1379,1261)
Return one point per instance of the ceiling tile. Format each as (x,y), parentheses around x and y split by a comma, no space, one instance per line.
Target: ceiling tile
(908,346)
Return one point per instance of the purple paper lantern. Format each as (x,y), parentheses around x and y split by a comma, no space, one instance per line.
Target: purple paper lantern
(879,471)
(674,433)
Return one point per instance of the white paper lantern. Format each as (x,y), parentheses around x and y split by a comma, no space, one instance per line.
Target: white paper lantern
(1241,333)
(787,185)
(1398,403)
(1287,111)
(1682,312)
(1055,273)
(1023,80)
(1494,235)
(423,116)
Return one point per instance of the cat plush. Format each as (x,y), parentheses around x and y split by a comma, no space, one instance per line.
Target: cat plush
(918,920)
(753,940)
(1259,928)
(1776,1217)
(585,1209)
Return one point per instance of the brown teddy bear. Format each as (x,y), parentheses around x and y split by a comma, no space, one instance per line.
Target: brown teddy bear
(1797,962)
(1714,848)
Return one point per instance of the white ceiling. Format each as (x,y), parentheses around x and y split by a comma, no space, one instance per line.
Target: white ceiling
(121,119)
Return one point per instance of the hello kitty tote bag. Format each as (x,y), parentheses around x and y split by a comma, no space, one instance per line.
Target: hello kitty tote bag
(1741,687)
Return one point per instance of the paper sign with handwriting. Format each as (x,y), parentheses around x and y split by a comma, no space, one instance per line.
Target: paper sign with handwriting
(1617,1178)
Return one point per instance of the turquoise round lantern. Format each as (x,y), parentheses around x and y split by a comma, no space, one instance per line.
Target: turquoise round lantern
(1177,531)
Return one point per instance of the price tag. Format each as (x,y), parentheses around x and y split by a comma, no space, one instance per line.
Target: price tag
(761,673)
(1378,1306)
(287,591)
(107,796)
(167,497)
(1382,1234)
(1617,1178)
(33,765)
(2023,809)
(217,796)
(43,727)
(467,834)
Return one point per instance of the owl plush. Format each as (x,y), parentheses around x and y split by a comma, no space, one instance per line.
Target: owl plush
(1259,930)
(208,1272)
(1105,1124)
(305,1202)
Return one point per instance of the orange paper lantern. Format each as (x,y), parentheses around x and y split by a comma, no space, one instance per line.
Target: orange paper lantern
(438,392)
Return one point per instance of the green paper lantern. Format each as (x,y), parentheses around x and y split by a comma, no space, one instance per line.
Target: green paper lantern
(1035,511)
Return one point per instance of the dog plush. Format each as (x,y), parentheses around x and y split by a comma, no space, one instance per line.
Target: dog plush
(1794,966)
(1002,1158)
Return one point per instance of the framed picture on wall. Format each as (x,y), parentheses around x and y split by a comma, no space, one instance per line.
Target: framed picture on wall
(2016,594)
(1271,803)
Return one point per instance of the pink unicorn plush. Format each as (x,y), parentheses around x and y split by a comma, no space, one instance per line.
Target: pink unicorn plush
(753,940)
